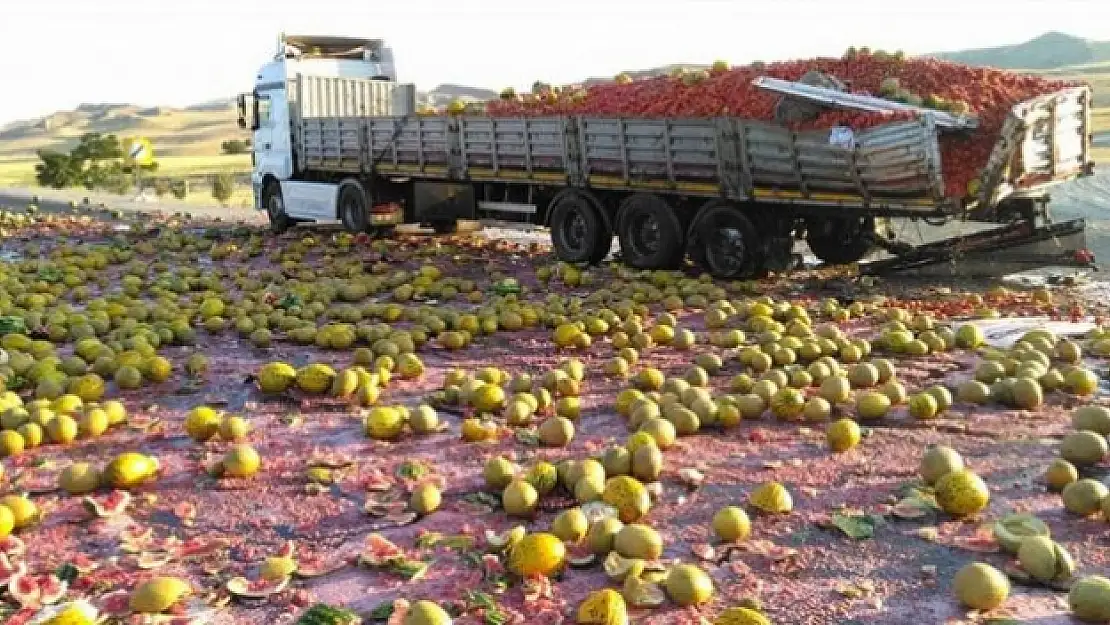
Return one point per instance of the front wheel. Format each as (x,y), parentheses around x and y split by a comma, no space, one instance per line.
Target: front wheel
(840,241)
(578,232)
(275,207)
(352,209)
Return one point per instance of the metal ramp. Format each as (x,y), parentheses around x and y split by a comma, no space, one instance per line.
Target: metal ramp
(1009,249)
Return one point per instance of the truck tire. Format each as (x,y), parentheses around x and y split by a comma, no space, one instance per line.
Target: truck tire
(445,227)
(725,242)
(352,209)
(578,231)
(275,207)
(651,235)
(840,241)
(776,239)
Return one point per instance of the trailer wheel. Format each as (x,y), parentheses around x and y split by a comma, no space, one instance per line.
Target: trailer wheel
(445,227)
(352,209)
(275,207)
(650,233)
(578,232)
(725,243)
(840,241)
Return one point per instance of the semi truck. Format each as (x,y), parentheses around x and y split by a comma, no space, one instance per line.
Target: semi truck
(337,138)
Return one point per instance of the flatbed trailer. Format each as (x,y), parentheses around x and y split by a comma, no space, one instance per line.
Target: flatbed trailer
(731,194)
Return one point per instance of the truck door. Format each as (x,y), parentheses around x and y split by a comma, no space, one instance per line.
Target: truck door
(263,135)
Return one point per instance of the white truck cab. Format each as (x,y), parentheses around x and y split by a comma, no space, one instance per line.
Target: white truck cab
(329,75)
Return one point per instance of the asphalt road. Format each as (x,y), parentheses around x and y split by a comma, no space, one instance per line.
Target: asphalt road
(58,201)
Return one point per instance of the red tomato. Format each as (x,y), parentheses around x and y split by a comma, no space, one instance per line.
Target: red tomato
(987,93)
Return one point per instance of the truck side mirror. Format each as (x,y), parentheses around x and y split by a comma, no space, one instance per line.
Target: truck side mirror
(241,105)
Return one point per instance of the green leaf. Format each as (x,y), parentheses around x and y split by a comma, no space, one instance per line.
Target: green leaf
(382,612)
(528,437)
(473,558)
(860,527)
(435,539)
(12,325)
(457,543)
(50,274)
(410,569)
(477,600)
(322,612)
(429,540)
(289,301)
(67,573)
(412,470)
(483,498)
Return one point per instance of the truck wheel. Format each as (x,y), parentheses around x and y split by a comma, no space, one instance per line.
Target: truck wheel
(725,243)
(445,227)
(650,233)
(840,241)
(352,209)
(275,207)
(578,232)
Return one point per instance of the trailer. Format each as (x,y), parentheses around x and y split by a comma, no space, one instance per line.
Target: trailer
(341,141)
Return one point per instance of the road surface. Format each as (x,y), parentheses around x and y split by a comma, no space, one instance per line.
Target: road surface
(1086,198)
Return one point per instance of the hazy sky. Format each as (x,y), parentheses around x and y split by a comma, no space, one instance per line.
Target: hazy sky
(60,53)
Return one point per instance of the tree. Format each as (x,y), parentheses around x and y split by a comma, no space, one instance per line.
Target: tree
(162,186)
(96,162)
(100,158)
(95,147)
(223,185)
(56,170)
(235,146)
(179,189)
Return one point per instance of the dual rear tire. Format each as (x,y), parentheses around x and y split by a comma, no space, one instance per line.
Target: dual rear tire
(651,234)
(579,231)
(840,241)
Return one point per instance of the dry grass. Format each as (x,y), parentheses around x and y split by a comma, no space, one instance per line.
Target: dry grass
(1100,120)
(172,132)
(17,173)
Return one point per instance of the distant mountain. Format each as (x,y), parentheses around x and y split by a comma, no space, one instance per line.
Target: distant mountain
(1052,50)
(192,131)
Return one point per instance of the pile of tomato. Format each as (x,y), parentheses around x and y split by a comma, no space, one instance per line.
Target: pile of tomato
(728,91)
